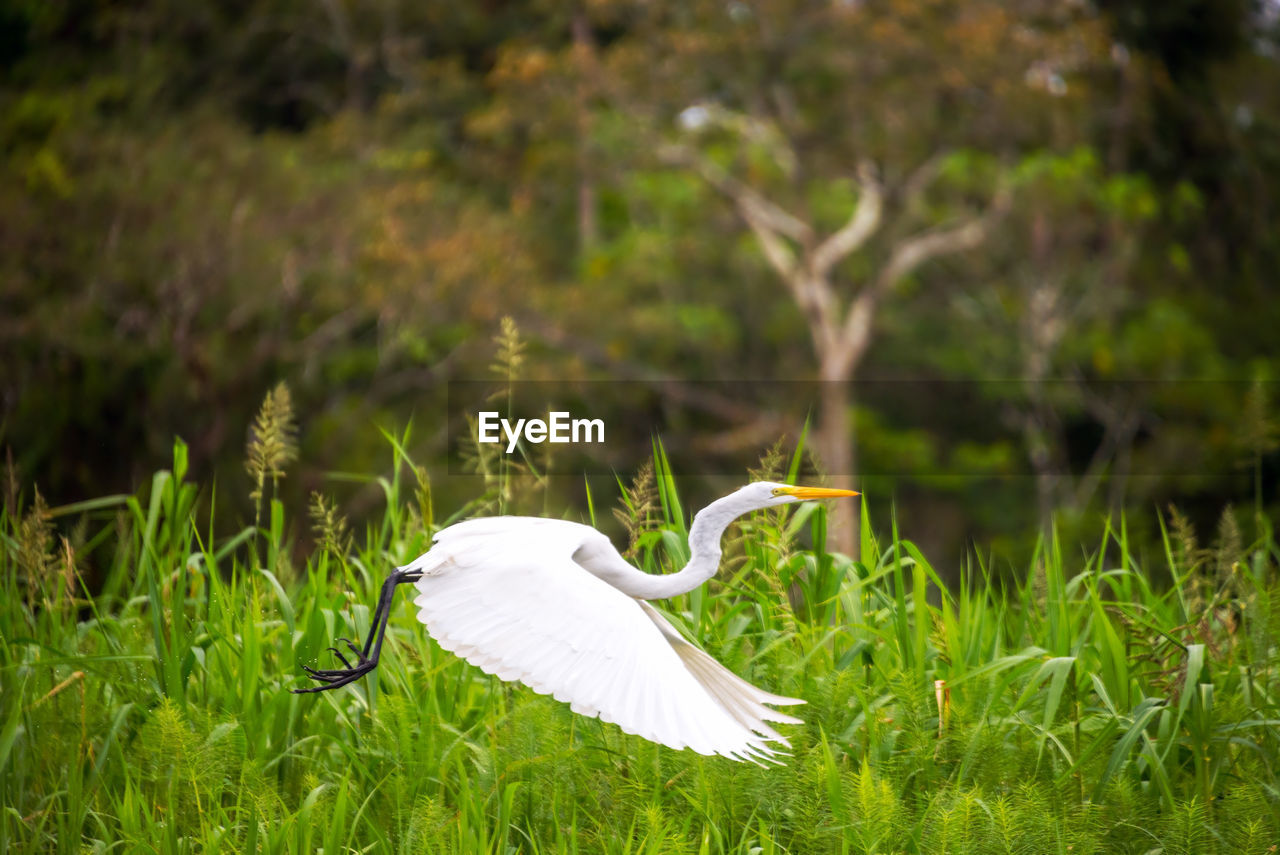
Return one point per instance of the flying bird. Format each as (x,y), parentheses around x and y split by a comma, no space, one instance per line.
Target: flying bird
(552,604)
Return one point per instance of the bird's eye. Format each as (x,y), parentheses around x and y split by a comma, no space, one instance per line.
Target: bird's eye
(777,491)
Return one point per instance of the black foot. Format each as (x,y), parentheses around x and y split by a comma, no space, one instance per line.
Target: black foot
(336,678)
(366,658)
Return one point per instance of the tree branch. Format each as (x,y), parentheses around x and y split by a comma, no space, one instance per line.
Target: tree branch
(853,338)
(762,132)
(921,177)
(915,251)
(855,332)
(775,249)
(861,226)
(742,195)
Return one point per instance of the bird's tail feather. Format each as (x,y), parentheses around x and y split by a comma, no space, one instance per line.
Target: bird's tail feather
(743,701)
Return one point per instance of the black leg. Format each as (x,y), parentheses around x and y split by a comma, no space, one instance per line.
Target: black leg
(367,656)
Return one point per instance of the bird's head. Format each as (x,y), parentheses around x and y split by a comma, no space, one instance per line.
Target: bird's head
(767,494)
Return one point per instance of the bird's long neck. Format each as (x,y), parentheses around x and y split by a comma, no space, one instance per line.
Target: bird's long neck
(704,552)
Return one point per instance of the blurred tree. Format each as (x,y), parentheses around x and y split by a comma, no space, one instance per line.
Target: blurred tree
(199,201)
(179,276)
(1048,323)
(838,132)
(840,327)
(1195,85)
(169,253)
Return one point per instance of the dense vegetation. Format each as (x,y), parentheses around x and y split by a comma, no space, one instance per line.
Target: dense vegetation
(1113,702)
(349,195)
(1009,263)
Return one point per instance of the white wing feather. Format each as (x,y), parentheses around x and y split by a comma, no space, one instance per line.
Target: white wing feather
(505,594)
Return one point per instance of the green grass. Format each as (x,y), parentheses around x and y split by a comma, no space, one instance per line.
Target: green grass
(1088,708)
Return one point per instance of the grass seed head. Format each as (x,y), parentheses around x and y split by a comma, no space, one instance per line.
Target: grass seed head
(35,549)
(329,526)
(272,441)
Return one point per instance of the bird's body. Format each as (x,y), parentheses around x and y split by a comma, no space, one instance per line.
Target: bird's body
(560,629)
(552,604)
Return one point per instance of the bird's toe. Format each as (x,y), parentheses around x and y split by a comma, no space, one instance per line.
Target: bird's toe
(326,675)
(341,658)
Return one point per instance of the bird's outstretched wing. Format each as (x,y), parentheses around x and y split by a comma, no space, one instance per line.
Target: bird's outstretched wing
(509,598)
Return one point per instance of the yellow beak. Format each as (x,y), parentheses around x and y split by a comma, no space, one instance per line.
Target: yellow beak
(805,493)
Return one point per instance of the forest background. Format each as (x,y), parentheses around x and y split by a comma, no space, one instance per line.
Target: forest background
(1026,249)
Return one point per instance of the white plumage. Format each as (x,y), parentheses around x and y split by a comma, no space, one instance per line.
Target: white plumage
(552,604)
(506,594)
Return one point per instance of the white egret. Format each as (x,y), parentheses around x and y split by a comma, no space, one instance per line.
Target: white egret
(552,604)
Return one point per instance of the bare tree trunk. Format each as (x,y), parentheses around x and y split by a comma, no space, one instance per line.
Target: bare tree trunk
(840,321)
(837,452)
(1040,445)
(1042,330)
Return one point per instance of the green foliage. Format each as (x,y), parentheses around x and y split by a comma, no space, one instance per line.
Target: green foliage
(1087,710)
(200,202)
